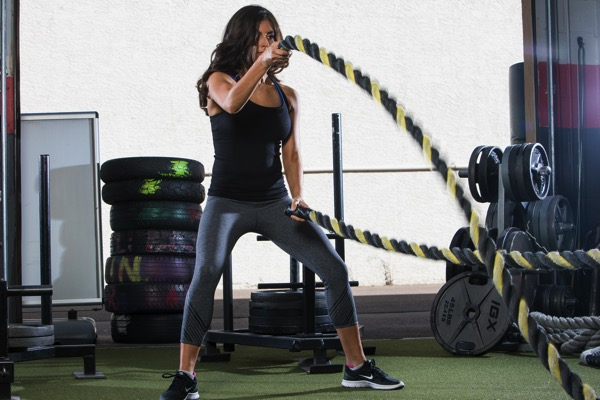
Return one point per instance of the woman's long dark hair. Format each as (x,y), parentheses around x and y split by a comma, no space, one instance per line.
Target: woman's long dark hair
(235,53)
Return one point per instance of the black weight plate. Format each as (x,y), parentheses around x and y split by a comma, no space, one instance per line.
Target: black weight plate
(462,240)
(522,172)
(468,316)
(30,342)
(529,217)
(288,330)
(284,305)
(29,328)
(487,173)
(545,222)
(266,312)
(490,217)
(503,241)
(557,229)
(538,185)
(286,321)
(513,239)
(517,215)
(506,169)
(473,175)
(280,295)
(533,213)
(564,226)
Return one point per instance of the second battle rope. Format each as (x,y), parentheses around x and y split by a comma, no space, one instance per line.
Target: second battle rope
(495,261)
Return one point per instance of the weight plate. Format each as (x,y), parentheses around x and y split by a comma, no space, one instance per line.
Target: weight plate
(488,173)
(513,239)
(468,316)
(269,312)
(29,342)
(544,224)
(508,161)
(517,216)
(29,328)
(281,295)
(473,175)
(521,172)
(483,173)
(462,240)
(533,211)
(555,224)
(537,184)
(286,321)
(503,238)
(285,305)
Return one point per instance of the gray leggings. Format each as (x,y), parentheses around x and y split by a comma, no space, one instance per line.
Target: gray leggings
(224,221)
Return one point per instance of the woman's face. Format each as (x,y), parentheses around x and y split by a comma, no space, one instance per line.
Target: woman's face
(265,37)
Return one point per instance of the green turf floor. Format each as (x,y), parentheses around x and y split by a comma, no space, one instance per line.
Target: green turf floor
(263,373)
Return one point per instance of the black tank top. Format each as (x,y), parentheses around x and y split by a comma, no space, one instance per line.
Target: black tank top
(247,147)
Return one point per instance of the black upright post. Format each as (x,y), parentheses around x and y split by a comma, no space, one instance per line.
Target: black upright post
(45,255)
(338,182)
(228,301)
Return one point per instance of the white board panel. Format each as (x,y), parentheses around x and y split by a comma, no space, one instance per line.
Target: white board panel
(71,142)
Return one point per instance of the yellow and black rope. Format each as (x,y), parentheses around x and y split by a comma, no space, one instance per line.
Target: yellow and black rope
(495,261)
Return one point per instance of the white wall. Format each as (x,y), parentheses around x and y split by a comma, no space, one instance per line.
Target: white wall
(136,62)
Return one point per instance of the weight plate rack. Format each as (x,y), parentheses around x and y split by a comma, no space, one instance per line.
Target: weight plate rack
(522,216)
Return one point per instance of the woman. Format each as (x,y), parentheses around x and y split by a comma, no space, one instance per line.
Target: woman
(254,119)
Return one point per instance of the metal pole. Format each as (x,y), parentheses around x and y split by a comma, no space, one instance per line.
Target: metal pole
(4,129)
(549,15)
(45,253)
(338,182)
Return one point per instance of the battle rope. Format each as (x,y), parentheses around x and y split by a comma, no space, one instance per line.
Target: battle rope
(572,333)
(495,261)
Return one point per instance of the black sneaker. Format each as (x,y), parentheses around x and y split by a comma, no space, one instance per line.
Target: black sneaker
(369,376)
(182,388)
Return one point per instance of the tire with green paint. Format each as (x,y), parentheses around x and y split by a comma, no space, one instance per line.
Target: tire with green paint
(176,215)
(153,241)
(152,190)
(121,169)
(149,268)
(145,298)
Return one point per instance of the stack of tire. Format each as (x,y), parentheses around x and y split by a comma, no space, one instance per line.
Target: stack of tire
(155,213)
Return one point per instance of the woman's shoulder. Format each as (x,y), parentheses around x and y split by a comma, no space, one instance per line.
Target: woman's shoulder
(290,93)
(222,75)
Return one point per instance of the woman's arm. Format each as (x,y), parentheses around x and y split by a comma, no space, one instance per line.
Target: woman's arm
(292,160)
(231,96)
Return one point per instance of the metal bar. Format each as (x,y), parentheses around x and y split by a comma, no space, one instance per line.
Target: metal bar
(292,343)
(309,300)
(294,275)
(4,129)
(3,319)
(338,181)
(228,295)
(45,253)
(373,170)
(228,300)
(549,20)
(30,290)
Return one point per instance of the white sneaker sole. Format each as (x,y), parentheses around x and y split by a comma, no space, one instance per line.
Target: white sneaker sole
(362,384)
